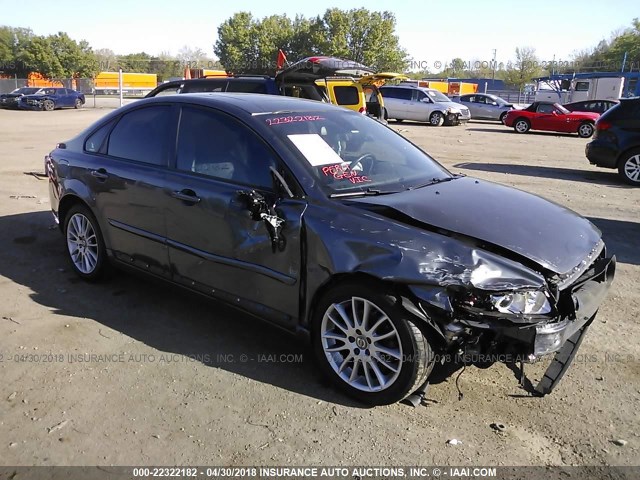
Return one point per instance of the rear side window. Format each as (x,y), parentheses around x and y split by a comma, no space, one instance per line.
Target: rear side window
(401,93)
(347,95)
(142,135)
(245,86)
(96,140)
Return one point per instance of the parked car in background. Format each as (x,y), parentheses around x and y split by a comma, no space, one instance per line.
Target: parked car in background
(327,223)
(10,100)
(236,83)
(551,117)
(616,143)
(596,106)
(51,99)
(484,106)
(408,102)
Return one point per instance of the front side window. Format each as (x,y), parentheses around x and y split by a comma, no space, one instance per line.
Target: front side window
(214,144)
(142,135)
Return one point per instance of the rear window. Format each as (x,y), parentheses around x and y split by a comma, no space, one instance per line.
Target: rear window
(626,109)
(347,95)
(246,86)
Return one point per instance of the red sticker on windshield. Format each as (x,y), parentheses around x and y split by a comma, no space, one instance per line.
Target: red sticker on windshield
(293,119)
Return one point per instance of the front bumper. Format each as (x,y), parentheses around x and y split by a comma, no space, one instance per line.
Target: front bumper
(455,118)
(586,296)
(30,105)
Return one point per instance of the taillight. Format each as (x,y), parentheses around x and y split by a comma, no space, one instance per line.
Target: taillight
(603,125)
(362,110)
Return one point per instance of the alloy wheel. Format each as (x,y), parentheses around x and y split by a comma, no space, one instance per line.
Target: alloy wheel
(361,344)
(82,243)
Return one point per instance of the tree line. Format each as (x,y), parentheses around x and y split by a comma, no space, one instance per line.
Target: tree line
(250,45)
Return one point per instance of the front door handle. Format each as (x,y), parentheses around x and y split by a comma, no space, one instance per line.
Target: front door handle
(100,174)
(186,195)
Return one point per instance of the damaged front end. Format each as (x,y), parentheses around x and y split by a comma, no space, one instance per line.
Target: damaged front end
(499,311)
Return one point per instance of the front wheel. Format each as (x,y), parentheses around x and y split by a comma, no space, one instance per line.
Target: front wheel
(367,347)
(48,105)
(502,117)
(85,244)
(585,130)
(629,168)
(436,119)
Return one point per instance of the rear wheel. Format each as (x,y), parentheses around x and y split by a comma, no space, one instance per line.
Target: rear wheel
(629,167)
(436,119)
(521,125)
(48,105)
(585,130)
(85,244)
(78,103)
(367,347)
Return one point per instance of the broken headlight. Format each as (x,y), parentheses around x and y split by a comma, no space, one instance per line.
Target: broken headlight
(525,303)
(517,303)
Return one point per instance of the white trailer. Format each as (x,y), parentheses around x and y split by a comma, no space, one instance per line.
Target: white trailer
(579,89)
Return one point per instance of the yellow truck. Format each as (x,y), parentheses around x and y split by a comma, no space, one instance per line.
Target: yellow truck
(446,87)
(106,83)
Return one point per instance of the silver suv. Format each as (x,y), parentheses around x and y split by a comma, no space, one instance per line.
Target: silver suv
(408,102)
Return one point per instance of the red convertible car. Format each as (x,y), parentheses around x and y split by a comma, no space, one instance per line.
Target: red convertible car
(551,117)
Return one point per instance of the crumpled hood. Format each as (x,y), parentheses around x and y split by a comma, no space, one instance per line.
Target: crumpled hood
(554,237)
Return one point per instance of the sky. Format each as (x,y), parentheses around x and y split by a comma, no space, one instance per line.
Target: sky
(432,31)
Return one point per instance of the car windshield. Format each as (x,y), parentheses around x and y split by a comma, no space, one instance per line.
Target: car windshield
(25,90)
(561,108)
(348,153)
(498,100)
(437,96)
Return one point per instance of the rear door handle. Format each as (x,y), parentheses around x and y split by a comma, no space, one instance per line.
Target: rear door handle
(100,174)
(186,195)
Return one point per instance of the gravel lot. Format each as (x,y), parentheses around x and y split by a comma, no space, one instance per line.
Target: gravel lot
(168,383)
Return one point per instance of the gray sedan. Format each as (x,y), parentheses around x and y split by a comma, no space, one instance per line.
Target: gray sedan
(485,106)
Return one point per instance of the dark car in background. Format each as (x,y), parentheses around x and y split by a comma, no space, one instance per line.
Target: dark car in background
(616,142)
(238,84)
(327,223)
(10,100)
(51,99)
(595,106)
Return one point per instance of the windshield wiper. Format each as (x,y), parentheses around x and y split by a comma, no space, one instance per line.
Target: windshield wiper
(434,181)
(360,193)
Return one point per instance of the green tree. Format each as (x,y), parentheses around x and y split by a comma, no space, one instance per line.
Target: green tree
(75,59)
(525,68)
(135,62)
(250,45)
(107,59)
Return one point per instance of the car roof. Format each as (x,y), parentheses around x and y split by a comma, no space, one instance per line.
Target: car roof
(252,103)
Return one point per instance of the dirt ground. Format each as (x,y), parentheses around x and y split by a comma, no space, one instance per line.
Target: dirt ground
(135,372)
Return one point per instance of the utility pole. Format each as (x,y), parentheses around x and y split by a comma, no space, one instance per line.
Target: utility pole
(494,65)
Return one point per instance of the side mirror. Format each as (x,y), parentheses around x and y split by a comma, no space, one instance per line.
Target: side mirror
(554,113)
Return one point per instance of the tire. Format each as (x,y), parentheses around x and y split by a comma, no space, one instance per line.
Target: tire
(585,130)
(629,167)
(436,119)
(85,244)
(502,116)
(408,357)
(48,105)
(521,125)
(78,104)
